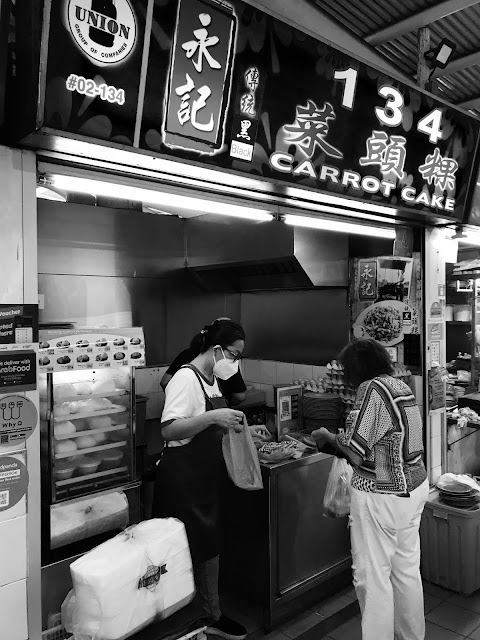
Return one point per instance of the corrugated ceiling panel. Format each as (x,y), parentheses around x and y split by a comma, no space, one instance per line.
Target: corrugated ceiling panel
(364,17)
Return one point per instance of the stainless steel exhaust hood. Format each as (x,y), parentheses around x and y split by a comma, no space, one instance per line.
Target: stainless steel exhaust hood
(229,254)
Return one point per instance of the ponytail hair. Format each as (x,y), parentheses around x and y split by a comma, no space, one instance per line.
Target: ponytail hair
(223,332)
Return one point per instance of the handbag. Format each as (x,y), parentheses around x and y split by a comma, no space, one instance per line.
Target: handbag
(241,459)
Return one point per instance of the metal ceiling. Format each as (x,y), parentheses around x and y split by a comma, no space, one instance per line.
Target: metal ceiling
(392,27)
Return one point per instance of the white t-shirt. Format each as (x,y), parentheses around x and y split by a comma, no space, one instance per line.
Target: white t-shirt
(184,398)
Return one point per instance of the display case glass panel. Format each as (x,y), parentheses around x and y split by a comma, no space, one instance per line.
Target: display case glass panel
(87,431)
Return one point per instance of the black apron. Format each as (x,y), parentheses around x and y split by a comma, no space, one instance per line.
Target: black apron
(187,485)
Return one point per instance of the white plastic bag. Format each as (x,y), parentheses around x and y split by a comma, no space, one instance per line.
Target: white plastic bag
(137,577)
(336,502)
(241,459)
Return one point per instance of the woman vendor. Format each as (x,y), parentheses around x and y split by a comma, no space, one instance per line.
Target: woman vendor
(191,470)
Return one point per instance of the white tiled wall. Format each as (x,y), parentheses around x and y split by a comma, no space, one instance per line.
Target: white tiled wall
(262,374)
(265,374)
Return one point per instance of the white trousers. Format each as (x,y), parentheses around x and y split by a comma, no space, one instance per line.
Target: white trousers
(386,563)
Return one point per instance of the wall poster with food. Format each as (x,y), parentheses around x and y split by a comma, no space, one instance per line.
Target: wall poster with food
(394,311)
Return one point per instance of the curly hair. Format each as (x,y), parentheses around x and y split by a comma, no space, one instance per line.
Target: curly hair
(364,359)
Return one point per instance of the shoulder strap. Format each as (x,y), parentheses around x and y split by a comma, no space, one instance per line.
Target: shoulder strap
(199,378)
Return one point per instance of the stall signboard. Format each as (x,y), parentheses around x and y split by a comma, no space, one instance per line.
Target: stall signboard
(94,68)
(223,84)
(84,349)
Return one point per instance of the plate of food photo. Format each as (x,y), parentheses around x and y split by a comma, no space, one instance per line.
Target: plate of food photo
(384,322)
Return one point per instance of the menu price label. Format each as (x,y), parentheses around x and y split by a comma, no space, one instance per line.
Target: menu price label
(62,350)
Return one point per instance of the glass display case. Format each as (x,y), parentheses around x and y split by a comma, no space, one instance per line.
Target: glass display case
(87,422)
(87,434)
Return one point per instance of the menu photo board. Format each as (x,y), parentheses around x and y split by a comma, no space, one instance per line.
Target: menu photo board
(83,349)
(223,84)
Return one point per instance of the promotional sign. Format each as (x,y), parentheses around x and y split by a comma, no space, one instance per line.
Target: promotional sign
(18,418)
(18,371)
(18,326)
(77,349)
(232,87)
(13,481)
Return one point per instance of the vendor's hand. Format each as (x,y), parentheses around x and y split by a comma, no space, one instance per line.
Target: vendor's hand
(259,431)
(321,436)
(228,419)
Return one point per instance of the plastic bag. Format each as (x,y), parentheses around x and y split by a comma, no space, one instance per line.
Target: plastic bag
(139,576)
(241,459)
(336,502)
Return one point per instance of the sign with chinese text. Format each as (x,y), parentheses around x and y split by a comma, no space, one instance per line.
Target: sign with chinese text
(224,84)
(199,84)
(367,270)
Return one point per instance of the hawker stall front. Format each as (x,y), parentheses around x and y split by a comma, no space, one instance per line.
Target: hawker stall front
(196,159)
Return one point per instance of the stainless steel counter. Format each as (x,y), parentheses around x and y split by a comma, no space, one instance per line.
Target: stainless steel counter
(278,545)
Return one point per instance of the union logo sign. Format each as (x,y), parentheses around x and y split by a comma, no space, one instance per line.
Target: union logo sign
(106,31)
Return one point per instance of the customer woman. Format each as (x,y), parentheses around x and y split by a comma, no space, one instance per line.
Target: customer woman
(389,488)
(195,417)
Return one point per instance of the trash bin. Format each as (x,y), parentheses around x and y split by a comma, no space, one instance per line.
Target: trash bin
(450,540)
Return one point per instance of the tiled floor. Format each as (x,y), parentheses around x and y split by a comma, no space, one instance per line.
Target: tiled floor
(449,616)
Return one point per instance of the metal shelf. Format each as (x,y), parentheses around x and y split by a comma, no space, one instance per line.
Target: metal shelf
(81,452)
(88,396)
(89,432)
(90,476)
(116,408)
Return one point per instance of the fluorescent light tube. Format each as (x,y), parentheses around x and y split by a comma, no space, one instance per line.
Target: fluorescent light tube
(342,227)
(45,193)
(153,197)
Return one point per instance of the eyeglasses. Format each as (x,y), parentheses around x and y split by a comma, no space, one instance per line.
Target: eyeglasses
(235,356)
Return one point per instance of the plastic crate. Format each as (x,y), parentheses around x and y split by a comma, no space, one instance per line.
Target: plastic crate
(56,633)
(450,539)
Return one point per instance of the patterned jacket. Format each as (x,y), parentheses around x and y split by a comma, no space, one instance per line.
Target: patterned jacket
(383,438)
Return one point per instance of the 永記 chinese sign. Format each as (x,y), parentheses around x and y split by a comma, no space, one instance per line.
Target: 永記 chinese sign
(223,83)
(367,279)
(199,85)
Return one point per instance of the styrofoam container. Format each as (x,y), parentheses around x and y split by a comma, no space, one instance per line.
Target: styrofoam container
(450,540)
